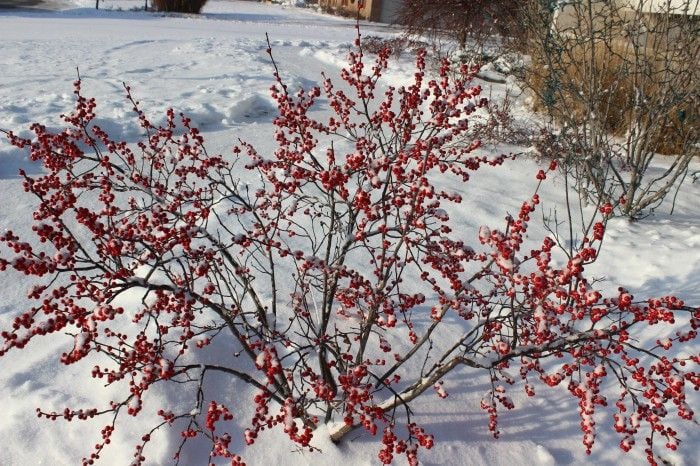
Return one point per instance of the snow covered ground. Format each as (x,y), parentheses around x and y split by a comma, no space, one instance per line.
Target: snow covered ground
(214,68)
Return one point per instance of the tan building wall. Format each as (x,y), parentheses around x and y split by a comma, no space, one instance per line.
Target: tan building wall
(567,18)
(351,7)
(680,7)
(372,10)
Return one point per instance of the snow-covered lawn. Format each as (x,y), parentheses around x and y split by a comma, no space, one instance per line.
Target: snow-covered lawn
(214,68)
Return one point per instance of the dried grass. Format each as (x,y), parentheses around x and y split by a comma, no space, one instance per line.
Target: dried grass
(607,80)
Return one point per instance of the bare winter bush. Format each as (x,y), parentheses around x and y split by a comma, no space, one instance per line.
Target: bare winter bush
(180,6)
(468,23)
(329,270)
(396,45)
(621,84)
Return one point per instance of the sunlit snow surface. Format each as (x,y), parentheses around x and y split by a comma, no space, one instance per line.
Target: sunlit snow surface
(214,68)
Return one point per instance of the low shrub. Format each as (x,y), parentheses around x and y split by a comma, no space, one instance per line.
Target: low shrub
(181,6)
(619,86)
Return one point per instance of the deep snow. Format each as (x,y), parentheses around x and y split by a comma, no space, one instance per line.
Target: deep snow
(214,68)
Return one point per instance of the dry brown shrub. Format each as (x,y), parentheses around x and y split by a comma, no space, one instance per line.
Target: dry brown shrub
(606,78)
(180,6)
